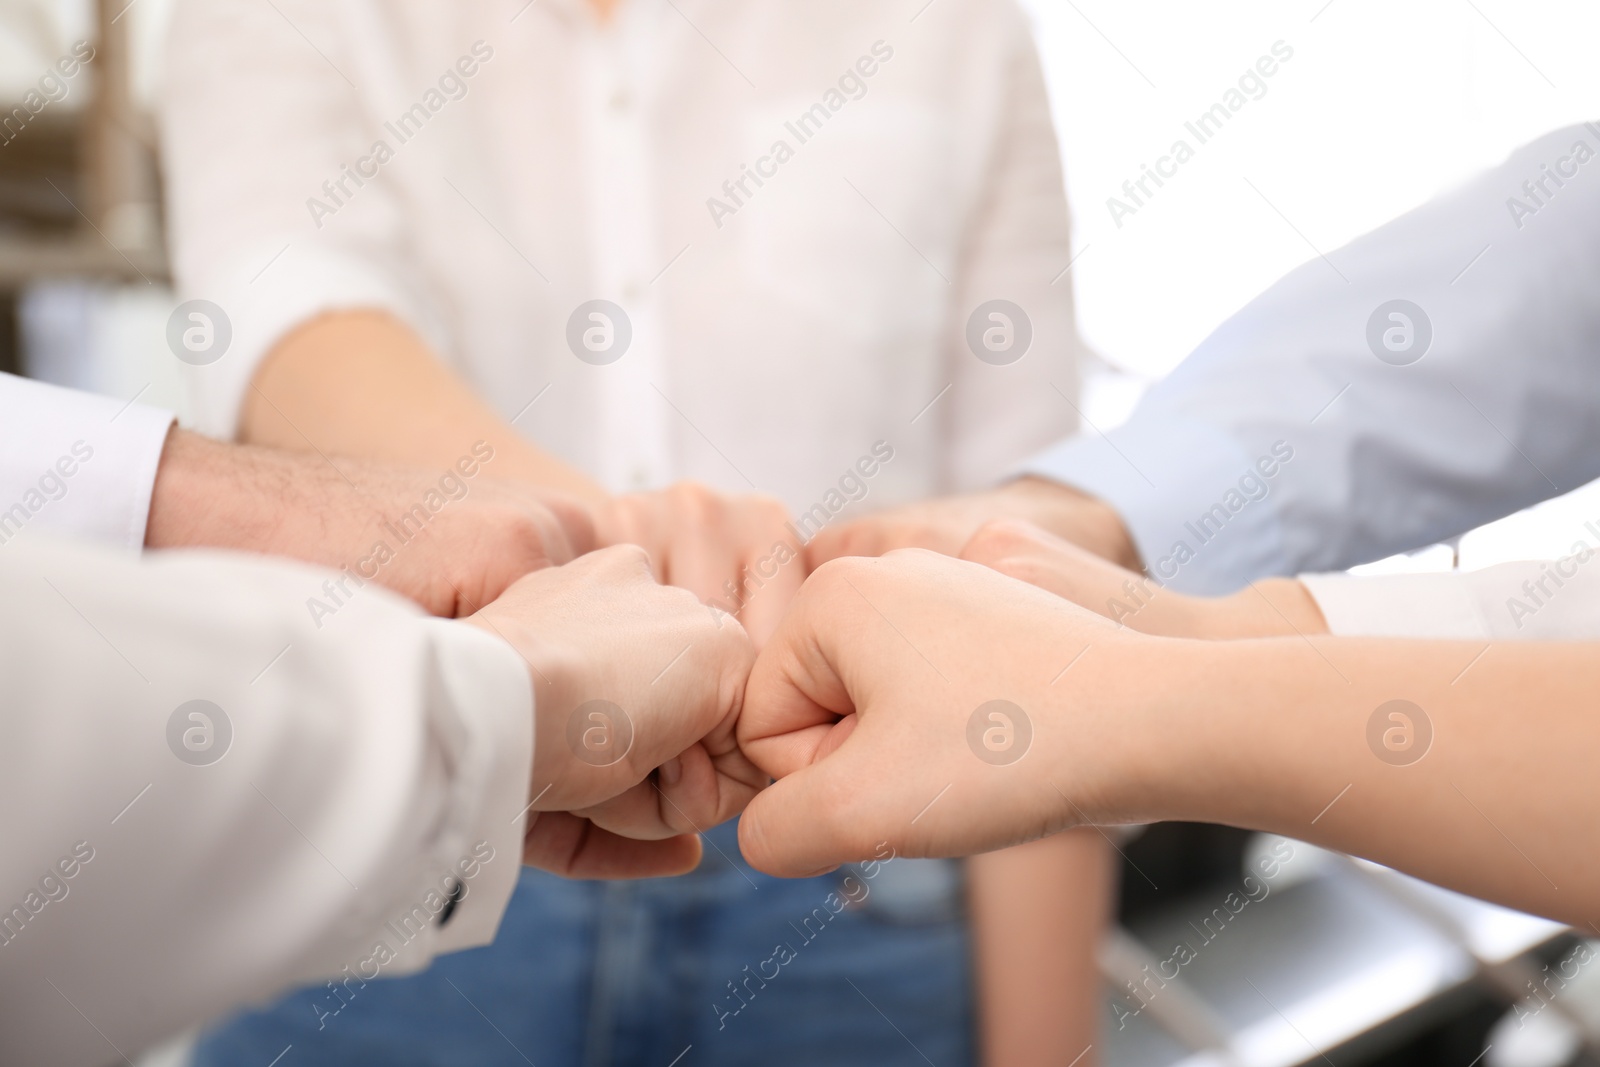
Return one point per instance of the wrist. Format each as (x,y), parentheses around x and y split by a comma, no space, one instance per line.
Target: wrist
(1120,738)
(1204,737)
(1272,607)
(215,495)
(190,492)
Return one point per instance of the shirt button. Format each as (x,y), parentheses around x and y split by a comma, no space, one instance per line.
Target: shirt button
(621,100)
(633,292)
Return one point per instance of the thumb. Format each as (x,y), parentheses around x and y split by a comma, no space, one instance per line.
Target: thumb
(811,821)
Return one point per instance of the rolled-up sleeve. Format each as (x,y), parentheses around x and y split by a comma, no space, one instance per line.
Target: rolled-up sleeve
(1491,408)
(76,465)
(261,122)
(210,797)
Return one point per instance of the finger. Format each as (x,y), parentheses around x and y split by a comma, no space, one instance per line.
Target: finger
(573,847)
(636,813)
(815,819)
(767,605)
(1021,550)
(704,790)
(795,694)
(860,538)
(636,519)
(576,521)
(556,547)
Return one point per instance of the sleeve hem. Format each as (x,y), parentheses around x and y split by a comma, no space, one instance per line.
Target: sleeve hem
(492,695)
(1199,507)
(290,291)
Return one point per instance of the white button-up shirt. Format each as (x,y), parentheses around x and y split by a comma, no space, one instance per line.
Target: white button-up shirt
(76,464)
(208,795)
(800,208)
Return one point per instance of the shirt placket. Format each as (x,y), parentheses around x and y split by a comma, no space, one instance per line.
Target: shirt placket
(635,446)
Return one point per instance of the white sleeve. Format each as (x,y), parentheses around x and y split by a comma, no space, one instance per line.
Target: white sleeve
(76,464)
(209,798)
(1545,601)
(1020,244)
(259,110)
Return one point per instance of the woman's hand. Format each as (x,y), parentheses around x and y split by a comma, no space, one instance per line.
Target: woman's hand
(940,707)
(1275,607)
(736,553)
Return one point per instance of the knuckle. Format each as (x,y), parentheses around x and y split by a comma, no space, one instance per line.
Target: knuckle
(695,499)
(522,536)
(625,559)
(836,575)
(997,539)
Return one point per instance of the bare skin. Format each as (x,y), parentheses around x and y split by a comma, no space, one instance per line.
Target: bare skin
(452,541)
(672,677)
(597,627)
(863,722)
(1029,947)
(416,410)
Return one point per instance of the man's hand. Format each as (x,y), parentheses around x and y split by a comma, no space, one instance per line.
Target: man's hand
(637,690)
(1275,607)
(946,524)
(736,552)
(451,539)
(940,707)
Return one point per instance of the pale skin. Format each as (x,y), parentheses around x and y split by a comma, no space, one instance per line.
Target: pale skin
(1038,911)
(595,627)
(416,410)
(1034,1006)
(863,724)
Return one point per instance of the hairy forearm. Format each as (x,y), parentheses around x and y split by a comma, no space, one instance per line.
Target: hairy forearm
(212,494)
(362,384)
(1279,735)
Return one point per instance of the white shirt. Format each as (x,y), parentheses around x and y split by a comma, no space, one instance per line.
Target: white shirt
(778,331)
(76,464)
(165,860)
(1549,600)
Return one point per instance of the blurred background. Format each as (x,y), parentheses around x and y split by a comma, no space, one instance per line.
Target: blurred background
(1381,106)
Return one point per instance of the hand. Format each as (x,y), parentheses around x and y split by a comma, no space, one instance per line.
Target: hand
(947,523)
(735,552)
(637,689)
(1275,607)
(866,707)
(451,540)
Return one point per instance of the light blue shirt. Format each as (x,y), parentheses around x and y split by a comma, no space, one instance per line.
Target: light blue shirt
(1285,444)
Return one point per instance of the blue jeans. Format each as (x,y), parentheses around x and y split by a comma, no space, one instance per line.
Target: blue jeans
(723,966)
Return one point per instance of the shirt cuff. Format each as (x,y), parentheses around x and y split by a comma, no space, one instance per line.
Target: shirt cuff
(1555,600)
(1197,505)
(492,696)
(265,304)
(1397,605)
(76,464)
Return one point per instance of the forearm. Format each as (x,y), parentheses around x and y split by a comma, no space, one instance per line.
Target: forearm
(1038,912)
(362,384)
(1279,735)
(211,494)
